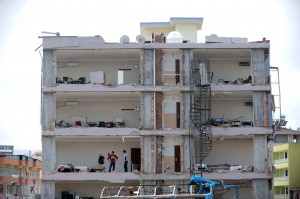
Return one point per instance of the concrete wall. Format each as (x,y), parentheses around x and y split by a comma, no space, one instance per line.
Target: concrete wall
(233,152)
(169,106)
(110,69)
(86,153)
(231,109)
(157,31)
(169,60)
(260,189)
(228,69)
(188,32)
(169,152)
(96,111)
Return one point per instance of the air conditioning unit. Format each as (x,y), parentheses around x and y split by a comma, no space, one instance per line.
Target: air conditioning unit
(72,103)
(72,64)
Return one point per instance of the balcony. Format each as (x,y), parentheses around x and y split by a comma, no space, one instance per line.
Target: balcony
(281,196)
(281,161)
(281,178)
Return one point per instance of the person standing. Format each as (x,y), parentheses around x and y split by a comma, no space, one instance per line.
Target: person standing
(125,161)
(112,159)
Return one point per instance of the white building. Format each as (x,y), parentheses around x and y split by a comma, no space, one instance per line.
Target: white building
(171,102)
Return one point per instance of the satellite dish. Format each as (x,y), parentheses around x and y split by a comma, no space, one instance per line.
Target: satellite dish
(124,39)
(140,39)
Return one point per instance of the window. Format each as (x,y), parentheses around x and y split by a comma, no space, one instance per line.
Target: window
(1,188)
(9,189)
(33,174)
(287,191)
(286,173)
(285,155)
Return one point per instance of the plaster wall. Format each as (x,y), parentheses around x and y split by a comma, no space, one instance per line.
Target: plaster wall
(169,106)
(110,69)
(280,139)
(294,165)
(146,32)
(86,153)
(169,143)
(233,152)
(231,109)
(228,69)
(168,61)
(169,150)
(170,103)
(188,32)
(96,111)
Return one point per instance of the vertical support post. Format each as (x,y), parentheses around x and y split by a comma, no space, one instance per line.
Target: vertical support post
(48,121)
(49,157)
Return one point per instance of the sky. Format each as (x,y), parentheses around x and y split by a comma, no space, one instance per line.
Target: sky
(22,22)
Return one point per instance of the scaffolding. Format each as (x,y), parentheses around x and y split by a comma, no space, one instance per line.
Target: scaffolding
(278,119)
(200,109)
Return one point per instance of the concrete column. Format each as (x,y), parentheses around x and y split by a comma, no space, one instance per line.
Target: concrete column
(49,163)
(258,66)
(260,152)
(147,110)
(147,155)
(48,113)
(186,57)
(49,154)
(186,152)
(260,189)
(48,189)
(186,110)
(260,109)
(48,99)
(148,69)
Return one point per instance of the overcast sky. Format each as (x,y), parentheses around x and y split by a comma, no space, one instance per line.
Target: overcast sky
(21,22)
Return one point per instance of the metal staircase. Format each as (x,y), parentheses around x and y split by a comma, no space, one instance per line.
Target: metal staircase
(200,108)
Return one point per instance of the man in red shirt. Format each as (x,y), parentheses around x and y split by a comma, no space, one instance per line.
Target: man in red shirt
(112,158)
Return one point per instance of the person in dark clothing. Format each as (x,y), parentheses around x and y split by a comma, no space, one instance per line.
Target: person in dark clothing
(101,159)
(125,161)
(112,159)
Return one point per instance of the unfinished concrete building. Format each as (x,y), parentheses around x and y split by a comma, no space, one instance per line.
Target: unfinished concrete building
(176,106)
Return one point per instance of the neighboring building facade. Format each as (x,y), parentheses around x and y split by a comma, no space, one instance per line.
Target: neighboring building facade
(171,103)
(19,177)
(287,176)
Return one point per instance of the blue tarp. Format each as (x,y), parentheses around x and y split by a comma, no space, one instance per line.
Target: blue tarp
(205,185)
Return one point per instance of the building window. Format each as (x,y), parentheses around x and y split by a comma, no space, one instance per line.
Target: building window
(1,188)
(285,155)
(287,191)
(2,171)
(286,173)
(18,190)
(9,189)
(33,174)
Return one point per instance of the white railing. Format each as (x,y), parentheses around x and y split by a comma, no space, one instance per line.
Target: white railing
(280,196)
(281,178)
(281,161)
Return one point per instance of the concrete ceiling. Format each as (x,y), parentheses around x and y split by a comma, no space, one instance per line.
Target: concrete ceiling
(134,54)
(222,53)
(106,54)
